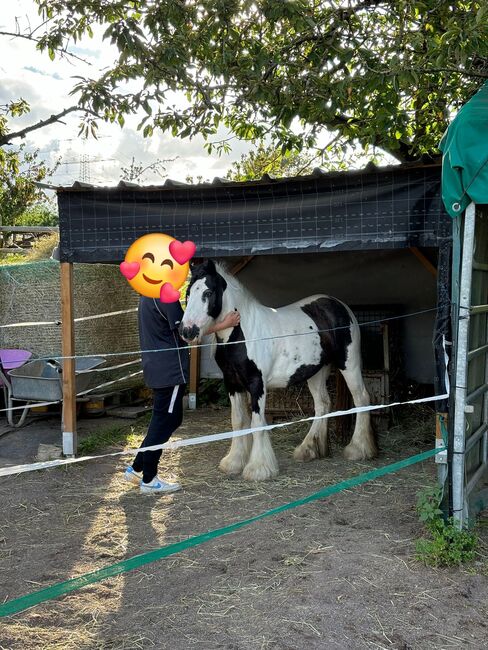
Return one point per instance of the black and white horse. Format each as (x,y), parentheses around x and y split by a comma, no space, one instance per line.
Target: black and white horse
(253,366)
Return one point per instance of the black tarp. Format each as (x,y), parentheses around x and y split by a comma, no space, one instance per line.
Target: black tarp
(394,207)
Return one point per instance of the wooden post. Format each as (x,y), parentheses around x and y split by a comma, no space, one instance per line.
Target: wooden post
(386,357)
(194,377)
(68,350)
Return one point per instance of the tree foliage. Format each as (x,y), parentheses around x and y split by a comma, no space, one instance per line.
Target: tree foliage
(42,213)
(271,161)
(383,73)
(137,171)
(19,171)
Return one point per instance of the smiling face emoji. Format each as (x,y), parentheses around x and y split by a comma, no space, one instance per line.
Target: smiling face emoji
(157,265)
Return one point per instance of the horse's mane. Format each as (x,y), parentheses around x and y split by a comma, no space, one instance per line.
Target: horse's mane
(233,283)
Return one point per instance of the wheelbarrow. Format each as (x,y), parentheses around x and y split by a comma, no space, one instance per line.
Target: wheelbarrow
(9,360)
(41,380)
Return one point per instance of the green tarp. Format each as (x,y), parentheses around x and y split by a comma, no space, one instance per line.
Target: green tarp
(465,156)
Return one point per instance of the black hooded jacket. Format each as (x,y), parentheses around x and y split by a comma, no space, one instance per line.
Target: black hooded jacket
(158,330)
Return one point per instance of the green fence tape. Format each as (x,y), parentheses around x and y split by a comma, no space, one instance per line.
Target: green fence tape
(60,588)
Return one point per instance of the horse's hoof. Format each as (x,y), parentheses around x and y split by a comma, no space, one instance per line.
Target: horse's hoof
(356,452)
(305,454)
(230,466)
(259,473)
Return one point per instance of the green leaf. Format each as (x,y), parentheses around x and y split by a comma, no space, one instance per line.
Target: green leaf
(361,74)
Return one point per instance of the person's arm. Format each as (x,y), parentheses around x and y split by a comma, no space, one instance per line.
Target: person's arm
(232,319)
(171,311)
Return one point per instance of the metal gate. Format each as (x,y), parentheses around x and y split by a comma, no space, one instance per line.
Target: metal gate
(469,434)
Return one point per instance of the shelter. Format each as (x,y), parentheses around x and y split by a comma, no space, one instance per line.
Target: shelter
(379,238)
(313,228)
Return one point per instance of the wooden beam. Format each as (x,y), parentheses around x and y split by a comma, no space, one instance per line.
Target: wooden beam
(68,350)
(241,264)
(30,229)
(423,260)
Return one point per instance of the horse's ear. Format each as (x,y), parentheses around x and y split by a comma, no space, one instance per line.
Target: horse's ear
(209,266)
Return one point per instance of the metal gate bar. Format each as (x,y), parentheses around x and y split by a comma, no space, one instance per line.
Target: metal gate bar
(460,384)
(464,402)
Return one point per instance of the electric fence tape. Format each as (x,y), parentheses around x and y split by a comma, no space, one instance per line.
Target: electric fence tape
(54,591)
(200,440)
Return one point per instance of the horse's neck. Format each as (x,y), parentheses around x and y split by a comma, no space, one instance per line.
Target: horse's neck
(249,308)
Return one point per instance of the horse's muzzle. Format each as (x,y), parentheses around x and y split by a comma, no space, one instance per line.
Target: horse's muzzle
(189,333)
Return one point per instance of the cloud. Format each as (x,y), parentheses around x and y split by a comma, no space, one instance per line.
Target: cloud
(86,52)
(54,75)
(46,85)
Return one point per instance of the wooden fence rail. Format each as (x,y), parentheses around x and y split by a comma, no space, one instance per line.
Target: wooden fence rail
(9,234)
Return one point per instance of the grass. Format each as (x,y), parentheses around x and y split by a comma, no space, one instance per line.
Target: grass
(447,545)
(12,259)
(114,435)
(42,249)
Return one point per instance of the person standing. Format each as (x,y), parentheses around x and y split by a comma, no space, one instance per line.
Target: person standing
(166,372)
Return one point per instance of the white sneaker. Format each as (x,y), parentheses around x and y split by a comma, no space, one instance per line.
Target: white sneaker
(131,475)
(157,486)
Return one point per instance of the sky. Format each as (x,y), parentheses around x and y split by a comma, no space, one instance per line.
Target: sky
(45,84)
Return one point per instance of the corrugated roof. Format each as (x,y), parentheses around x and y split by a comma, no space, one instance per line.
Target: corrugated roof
(219,182)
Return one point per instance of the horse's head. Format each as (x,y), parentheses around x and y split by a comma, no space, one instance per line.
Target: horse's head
(204,300)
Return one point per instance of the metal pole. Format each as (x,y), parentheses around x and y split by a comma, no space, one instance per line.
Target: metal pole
(458,460)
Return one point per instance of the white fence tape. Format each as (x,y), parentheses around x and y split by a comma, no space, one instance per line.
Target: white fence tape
(227,343)
(175,444)
(76,320)
(29,406)
(83,392)
(108,383)
(31,323)
(108,368)
(106,315)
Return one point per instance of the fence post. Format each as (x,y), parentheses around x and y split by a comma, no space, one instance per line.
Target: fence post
(68,350)
(461,371)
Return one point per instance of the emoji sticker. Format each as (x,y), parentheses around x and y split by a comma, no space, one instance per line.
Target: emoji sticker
(157,265)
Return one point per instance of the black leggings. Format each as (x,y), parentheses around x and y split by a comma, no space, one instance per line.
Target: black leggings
(163,424)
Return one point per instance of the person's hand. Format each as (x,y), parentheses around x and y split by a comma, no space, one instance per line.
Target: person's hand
(232,319)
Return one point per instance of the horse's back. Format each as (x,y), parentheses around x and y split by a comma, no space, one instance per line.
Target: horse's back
(306,335)
(318,303)
(305,301)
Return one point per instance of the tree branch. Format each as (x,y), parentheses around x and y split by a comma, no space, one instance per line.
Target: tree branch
(29,37)
(7,137)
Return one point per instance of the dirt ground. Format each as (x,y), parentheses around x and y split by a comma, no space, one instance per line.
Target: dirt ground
(339,573)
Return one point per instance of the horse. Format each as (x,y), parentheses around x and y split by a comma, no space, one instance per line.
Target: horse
(277,348)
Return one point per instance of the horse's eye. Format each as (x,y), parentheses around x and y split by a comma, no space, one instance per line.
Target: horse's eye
(207,294)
